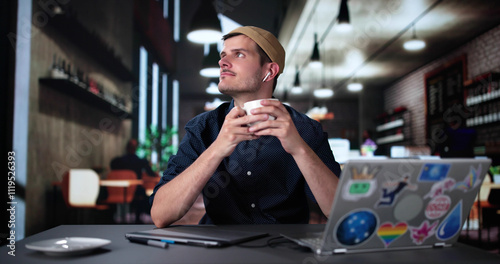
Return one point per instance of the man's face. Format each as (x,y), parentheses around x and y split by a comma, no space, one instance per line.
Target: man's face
(240,69)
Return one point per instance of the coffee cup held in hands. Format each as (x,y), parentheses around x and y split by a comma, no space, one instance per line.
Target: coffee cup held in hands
(248,106)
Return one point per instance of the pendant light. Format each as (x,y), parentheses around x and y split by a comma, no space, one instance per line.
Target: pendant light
(355,86)
(315,61)
(296,89)
(414,43)
(212,87)
(323,92)
(210,64)
(205,25)
(343,18)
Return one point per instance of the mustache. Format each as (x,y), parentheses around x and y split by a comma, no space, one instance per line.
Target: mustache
(225,70)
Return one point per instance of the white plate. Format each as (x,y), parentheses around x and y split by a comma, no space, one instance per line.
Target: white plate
(68,245)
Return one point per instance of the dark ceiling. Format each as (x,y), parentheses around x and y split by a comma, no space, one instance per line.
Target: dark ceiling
(372,52)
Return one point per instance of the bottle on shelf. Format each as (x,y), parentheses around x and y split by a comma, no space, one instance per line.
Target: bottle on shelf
(64,70)
(93,87)
(80,79)
(56,71)
(73,76)
(53,69)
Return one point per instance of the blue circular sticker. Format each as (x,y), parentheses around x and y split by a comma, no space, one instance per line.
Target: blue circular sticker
(356,227)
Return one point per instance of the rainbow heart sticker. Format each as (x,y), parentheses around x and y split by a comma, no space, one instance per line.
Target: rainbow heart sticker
(388,232)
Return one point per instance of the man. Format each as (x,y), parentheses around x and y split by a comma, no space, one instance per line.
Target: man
(249,174)
(130,161)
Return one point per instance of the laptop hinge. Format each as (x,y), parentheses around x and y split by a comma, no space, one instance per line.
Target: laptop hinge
(340,251)
(439,245)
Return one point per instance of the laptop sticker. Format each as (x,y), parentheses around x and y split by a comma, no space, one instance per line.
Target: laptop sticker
(391,189)
(451,224)
(408,208)
(471,180)
(361,185)
(424,231)
(389,232)
(439,188)
(434,172)
(438,207)
(356,227)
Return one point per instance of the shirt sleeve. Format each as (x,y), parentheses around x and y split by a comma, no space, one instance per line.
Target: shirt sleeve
(325,153)
(322,148)
(189,150)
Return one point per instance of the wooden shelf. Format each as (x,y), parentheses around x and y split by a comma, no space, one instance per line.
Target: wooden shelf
(91,44)
(391,125)
(82,94)
(391,139)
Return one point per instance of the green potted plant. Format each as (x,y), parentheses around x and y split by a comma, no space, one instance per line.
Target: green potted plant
(158,141)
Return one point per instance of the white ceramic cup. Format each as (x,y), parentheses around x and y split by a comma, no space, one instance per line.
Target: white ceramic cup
(248,106)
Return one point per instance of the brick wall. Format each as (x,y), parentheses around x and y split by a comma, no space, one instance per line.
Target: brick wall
(483,55)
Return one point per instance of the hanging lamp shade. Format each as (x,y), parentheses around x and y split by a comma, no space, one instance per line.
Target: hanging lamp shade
(414,43)
(205,25)
(323,93)
(212,87)
(343,17)
(355,86)
(210,65)
(315,61)
(296,89)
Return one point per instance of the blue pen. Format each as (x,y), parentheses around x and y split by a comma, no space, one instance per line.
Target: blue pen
(151,242)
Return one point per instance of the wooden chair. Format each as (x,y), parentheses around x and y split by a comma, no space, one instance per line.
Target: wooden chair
(117,194)
(80,189)
(121,195)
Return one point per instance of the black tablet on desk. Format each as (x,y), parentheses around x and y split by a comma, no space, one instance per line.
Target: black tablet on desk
(200,235)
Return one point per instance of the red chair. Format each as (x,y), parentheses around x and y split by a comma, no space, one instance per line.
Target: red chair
(149,183)
(121,195)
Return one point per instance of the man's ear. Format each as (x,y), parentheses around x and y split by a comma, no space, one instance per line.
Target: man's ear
(274,69)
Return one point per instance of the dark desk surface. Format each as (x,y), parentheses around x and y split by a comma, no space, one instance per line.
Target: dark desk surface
(121,251)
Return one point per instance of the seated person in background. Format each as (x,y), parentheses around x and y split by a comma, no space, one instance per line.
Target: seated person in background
(259,174)
(130,161)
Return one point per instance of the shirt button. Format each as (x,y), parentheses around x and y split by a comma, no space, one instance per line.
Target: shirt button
(252,205)
(249,173)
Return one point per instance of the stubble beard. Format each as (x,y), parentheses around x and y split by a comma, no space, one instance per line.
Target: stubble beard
(250,85)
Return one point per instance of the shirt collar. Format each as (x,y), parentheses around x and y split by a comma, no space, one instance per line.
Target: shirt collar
(231,106)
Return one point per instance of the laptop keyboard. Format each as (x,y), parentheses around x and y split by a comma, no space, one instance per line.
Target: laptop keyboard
(313,241)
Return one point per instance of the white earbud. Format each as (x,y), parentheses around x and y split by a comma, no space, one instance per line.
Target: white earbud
(265,78)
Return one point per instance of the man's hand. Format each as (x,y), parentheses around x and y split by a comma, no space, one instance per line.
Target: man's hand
(235,130)
(283,127)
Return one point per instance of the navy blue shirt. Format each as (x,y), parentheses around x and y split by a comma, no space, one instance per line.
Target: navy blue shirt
(259,183)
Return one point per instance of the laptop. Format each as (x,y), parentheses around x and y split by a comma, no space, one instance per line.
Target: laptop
(396,204)
(197,235)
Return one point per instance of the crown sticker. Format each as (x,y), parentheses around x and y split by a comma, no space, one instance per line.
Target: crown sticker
(361,185)
(364,174)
